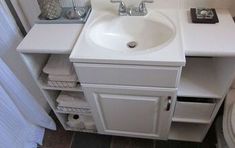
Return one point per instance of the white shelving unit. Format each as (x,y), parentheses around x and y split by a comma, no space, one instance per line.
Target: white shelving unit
(42,41)
(201,78)
(35,63)
(203,87)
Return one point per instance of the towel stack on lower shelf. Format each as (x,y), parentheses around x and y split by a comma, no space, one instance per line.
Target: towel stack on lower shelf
(72,102)
(60,72)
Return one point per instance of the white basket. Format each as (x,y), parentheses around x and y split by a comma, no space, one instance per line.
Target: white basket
(62,84)
(74,110)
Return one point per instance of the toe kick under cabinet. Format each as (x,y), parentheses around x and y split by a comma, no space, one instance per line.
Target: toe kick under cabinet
(130,100)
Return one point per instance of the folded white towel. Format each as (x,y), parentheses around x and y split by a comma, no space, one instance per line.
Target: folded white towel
(58,65)
(72,99)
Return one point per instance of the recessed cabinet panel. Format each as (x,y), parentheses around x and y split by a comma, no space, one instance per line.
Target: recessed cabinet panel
(128,75)
(131,111)
(128,113)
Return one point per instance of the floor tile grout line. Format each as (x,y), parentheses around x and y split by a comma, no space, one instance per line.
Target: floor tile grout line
(111,143)
(154,143)
(71,143)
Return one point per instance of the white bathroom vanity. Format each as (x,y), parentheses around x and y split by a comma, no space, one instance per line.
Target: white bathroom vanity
(170,85)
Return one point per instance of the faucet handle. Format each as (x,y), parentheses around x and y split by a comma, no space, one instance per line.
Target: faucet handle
(142,7)
(122,7)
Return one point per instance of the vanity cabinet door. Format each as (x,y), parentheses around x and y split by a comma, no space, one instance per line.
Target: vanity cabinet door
(131,111)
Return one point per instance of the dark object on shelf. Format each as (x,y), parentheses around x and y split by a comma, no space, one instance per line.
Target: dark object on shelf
(234,19)
(204,15)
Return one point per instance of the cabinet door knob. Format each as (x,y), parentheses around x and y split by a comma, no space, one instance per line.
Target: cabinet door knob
(168,107)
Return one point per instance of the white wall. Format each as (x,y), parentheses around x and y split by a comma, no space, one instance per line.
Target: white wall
(31,9)
(28,10)
(206,3)
(232,8)
(21,14)
(105,4)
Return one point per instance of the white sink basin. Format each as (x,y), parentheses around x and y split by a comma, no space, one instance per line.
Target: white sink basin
(113,32)
(105,36)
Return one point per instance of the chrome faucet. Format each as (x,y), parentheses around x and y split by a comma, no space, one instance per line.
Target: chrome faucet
(133,11)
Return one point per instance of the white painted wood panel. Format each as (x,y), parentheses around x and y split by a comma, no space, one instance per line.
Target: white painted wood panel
(188,131)
(131,111)
(199,79)
(51,38)
(225,71)
(193,112)
(128,74)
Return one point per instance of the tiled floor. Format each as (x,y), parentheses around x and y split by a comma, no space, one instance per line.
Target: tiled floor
(65,139)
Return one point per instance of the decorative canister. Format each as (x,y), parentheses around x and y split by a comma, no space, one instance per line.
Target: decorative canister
(50,9)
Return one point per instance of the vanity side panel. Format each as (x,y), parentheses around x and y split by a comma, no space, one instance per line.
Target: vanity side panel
(225,72)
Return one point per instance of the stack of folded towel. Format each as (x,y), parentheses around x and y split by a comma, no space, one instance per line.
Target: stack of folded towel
(60,71)
(72,102)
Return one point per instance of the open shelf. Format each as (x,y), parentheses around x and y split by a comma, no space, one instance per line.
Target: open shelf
(51,97)
(199,79)
(43,83)
(188,131)
(81,106)
(83,129)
